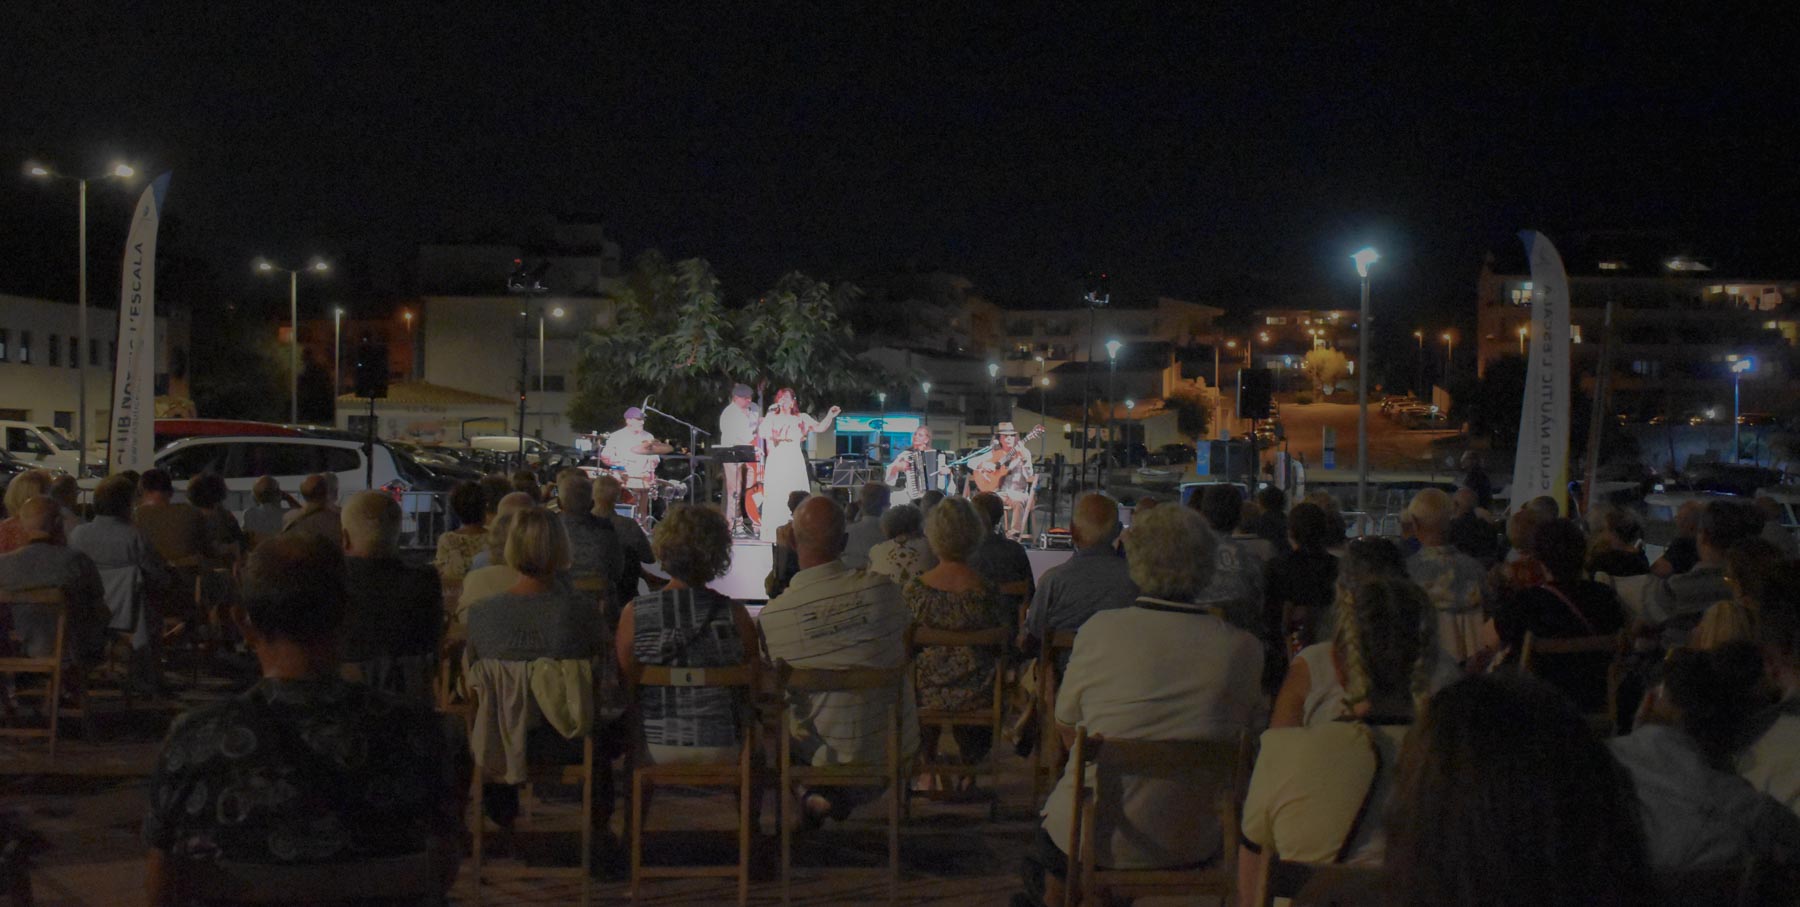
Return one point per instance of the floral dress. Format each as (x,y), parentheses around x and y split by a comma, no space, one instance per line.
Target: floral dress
(954,677)
(455,551)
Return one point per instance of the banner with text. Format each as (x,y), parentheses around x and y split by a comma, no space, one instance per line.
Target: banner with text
(1542,464)
(131,443)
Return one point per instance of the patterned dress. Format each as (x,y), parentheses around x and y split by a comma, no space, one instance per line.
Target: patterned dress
(455,552)
(1454,582)
(955,678)
(689,628)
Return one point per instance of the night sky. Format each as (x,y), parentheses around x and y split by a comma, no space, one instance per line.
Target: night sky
(1225,159)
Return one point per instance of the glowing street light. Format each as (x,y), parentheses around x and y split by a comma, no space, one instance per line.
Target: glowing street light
(1524,331)
(1449,351)
(317,267)
(1364,258)
(119,171)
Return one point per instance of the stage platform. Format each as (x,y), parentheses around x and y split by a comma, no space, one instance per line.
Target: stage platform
(751,561)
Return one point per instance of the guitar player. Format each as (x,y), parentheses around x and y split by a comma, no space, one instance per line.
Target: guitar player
(1007,471)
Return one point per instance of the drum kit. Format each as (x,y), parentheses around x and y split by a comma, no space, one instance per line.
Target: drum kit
(648,495)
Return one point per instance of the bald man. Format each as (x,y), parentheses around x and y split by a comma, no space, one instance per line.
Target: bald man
(1452,579)
(1095,579)
(46,561)
(318,513)
(832,616)
(395,609)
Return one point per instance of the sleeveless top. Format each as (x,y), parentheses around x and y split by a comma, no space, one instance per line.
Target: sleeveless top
(687,628)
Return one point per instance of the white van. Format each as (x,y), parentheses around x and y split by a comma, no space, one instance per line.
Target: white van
(535,448)
(241,460)
(47,447)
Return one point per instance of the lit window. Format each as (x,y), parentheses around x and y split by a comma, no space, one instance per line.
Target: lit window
(25,347)
(1613,265)
(1521,294)
(1683,264)
(1275,319)
(1574,333)
(5,341)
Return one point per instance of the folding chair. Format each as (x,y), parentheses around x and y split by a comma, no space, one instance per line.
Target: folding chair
(579,774)
(1538,649)
(998,639)
(1221,765)
(596,588)
(1321,884)
(50,668)
(1045,769)
(725,774)
(412,879)
(789,679)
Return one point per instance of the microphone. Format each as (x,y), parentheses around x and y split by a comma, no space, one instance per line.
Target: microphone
(646,404)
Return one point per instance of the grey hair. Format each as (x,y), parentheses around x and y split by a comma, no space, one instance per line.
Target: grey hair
(1171,553)
(954,530)
(904,519)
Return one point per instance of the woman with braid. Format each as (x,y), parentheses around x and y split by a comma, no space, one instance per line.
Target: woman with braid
(1318,792)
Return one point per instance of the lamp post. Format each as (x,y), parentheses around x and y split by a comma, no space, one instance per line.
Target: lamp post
(994,391)
(1112,373)
(1420,336)
(926,387)
(1363,258)
(1523,331)
(1738,368)
(317,267)
(337,357)
(1449,353)
(1130,405)
(118,171)
(553,313)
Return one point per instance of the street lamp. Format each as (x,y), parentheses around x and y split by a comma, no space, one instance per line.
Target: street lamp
(1738,368)
(1112,373)
(994,390)
(337,349)
(1364,258)
(556,312)
(1130,405)
(269,267)
(1523,331)
(118,171)
(1420,336)
(1449,352)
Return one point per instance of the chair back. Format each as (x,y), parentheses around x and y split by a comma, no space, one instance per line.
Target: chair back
(414,878)
(1321,884)
(837,680)
(665,676)
(492,722)
(992,637)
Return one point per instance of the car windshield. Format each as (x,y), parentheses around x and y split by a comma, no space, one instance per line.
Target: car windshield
(57,437)
(409,469)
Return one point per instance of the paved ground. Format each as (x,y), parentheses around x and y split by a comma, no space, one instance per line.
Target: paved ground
(88,805)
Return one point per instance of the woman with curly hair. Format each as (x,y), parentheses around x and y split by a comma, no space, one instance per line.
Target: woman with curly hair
(953,596)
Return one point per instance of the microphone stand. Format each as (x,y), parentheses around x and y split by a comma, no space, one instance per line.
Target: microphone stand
(694,433)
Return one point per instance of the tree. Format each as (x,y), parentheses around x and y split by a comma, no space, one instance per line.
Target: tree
(1326,366)
(1193,417)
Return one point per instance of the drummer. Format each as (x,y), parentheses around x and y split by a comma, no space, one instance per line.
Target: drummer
(633,451)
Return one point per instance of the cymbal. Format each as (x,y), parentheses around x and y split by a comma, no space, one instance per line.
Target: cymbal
(653,448)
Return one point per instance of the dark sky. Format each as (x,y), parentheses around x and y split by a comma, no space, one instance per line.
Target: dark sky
(1185,151)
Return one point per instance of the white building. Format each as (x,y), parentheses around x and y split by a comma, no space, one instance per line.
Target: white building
(40,359)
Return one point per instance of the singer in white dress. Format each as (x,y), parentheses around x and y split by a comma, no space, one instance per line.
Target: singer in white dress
(781,434)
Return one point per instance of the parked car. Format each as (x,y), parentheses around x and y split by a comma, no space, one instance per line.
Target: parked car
(47,447)
(169,430)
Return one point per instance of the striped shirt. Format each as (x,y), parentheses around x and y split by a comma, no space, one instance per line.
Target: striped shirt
(687,628)
(834,617)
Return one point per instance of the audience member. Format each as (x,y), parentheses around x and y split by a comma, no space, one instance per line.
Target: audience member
(32,483)
(1163,669)
(267,514)
(135,577)
(1236,587)
(1696,811)
(1755,571)
(1318,792)
(865,532)
(931,499)
(1546,508)
(1000,560)
(489,574)
(1452,579)
(524,481)
(318,513)
(1271,524)
(1617,546)
(207,492)
(785,560)
(1249,515)
(1679,601)
(1092,580)
(303,767)
(66,492)
(1313,691)
(1771,761)
(1504,798)
(1519,569)
(905,554)
(831,616)
(1684,551)
(178,531)
(494,487)
(1773,531)
(593,544)
(952,596)
(1471,531)
(1475,479)
(394,610)
(634,545)
(1566,607)
(687,625)
(45,561)
(1334,515)
(457,548)
(1300,579)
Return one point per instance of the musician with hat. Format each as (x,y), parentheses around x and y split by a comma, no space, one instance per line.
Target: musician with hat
(1007,470)
(634,453)
(737,430)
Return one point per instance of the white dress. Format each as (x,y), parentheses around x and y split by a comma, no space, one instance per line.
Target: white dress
(784,470)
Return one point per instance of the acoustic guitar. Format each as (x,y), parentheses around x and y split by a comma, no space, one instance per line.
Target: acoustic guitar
(989,476)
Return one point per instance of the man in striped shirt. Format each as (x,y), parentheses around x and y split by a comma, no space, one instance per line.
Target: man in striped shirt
(832,616)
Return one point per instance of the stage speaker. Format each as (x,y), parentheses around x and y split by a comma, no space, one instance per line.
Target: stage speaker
(372,370)
(1256,398)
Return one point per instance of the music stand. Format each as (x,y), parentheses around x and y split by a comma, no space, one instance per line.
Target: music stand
(694,433)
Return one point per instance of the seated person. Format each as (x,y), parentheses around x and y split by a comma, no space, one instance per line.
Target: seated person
(318,513)
(46,561)
(1302,578)
(1771,761)
(265,517)
(1163,669)
(1565,607)
(207,492)
(632,541)
(593,545)
(348,774)
(952,596)
(395,610)
(32,483)
(1696,811)
(1318,793)
(134,575)
(457,548)
(1237,584)
(488,573)
(831,616)
(179,531)
(1617,548)
(1094,579)
(905,554)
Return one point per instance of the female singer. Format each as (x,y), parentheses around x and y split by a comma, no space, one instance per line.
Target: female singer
(784,465)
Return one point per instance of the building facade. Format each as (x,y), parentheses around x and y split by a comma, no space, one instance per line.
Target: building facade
(41,358)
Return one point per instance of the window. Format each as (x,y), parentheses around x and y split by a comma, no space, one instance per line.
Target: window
(250,461)
(1520,294)
(5,341)
(74,352)
(24,441)
(25,347)
(94,352)
(192,461)
(1275,319)
(340,459)
(55,350)
(1574,333)
(63,420)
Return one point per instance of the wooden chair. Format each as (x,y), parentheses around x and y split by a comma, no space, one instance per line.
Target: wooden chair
(1322,884)
(1538,649)
(740,774)
(1045,767)
(580,774)
(50,668)
(789,679)
(1219,764)
(412,879)
(999,640)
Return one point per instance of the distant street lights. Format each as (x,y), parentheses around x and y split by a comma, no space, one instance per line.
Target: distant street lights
(118,171)
(317,267)
(1449,353)
(1364,259)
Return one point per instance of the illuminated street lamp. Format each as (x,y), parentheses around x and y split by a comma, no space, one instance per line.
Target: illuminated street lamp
(1739,366)
(118,171)
(994,390)
(1112,372)
(317,267)
(1449,352)
(337,349)
(1524,331)
(1364,259)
